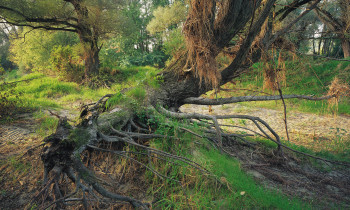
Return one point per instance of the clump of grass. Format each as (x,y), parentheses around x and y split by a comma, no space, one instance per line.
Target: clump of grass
(197,191)
(47,124)
(338,89)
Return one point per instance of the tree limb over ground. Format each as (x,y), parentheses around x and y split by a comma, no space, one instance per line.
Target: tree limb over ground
(220,101)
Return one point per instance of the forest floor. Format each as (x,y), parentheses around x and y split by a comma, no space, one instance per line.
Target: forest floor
(319,182)
(313,131)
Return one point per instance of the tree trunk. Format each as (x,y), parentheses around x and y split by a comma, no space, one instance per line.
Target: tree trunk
(345,44)
(88,36)
(92,60)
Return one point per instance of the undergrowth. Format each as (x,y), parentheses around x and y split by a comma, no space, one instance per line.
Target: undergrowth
(36,91)
(199,191)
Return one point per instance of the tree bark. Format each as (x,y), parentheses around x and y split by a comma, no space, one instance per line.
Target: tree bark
(345,44)
(88,35)
(92,59)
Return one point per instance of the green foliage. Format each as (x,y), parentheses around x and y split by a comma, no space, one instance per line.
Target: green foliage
(12,75)
(165,24)
(5,63)
(166,17)
(10,101)
(41,91)
(8,104)
(49,88)
(198,191)
(120,52)
(175,43)
(47,124)
(33,53)
(66,61)
(2,70)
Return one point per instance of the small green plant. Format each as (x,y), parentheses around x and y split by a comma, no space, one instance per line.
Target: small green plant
(243,121)
(18,165)
(10,101)
(79,137)
(47,124)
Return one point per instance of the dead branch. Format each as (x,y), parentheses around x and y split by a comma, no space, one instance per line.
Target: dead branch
(221,101)
(130,141)
(90,179)
(284,110)
(255,120)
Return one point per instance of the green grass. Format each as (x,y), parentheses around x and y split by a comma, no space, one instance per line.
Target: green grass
(239,190)
(39,91)
(47,124)
(305,76)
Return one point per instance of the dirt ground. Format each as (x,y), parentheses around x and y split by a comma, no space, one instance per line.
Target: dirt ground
(310,130)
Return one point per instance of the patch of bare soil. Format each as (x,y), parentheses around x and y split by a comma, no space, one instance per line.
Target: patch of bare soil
(320,183)
(310,130)
(20,165)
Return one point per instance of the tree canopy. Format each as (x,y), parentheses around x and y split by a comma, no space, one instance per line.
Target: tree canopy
(91,20)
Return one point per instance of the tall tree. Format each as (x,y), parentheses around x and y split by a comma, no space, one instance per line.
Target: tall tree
(90,19)
(5,31)
(338,23)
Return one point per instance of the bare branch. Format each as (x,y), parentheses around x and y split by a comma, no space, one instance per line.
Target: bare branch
(221,101)
(286,28)
(328,19)
(255,120)
(46,27)
(51,21)
(290,8)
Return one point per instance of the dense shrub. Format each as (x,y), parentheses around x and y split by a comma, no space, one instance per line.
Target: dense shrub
(66,63)
(31,50)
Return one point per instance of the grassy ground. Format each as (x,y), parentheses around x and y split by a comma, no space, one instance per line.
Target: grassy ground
(39,92)
(237,190)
